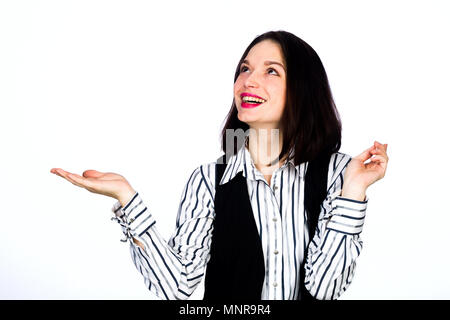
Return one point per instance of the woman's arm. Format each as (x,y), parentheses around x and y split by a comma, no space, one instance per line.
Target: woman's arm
(333,251)
(171,270)
(336,245)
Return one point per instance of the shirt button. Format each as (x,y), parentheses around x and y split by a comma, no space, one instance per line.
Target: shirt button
(275,252)
(275,284)
(275,187)
(131,220)
(274,220)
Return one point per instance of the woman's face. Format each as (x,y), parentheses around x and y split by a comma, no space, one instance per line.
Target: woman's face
(262,74)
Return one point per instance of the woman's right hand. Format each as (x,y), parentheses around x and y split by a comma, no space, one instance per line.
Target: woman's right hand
(106,183)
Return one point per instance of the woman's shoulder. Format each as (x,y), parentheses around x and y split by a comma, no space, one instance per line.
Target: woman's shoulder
(204,174)
(336,169)
(339,161)
(208,170)
(339,158)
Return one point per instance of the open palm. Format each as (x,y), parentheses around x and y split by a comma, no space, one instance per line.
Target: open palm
(106,183)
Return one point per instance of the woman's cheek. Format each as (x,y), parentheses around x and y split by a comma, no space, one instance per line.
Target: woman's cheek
(237,85)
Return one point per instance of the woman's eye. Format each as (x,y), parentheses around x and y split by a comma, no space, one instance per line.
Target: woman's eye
(243,68)
(270,69)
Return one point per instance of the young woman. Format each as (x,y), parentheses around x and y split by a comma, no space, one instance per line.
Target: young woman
(261,226)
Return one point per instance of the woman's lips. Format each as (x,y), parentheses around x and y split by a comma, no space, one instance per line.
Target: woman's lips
(247,94)
(250,105)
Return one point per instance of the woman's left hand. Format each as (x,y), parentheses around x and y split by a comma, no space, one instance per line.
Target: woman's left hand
(359,175)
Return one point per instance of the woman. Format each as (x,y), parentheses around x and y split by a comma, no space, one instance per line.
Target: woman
(249,227)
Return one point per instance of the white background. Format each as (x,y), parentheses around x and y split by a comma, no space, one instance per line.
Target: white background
(142,89)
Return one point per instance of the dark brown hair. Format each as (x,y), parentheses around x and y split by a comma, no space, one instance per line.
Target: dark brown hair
(310,122)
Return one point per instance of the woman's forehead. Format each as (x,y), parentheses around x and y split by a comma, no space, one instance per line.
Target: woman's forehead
(264,51)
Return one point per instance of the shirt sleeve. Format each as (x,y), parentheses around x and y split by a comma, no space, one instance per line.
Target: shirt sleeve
(332,253)
(173,269)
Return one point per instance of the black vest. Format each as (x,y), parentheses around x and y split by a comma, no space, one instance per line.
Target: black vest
(236,267)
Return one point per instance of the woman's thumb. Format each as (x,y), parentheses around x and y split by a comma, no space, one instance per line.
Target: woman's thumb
(92,174)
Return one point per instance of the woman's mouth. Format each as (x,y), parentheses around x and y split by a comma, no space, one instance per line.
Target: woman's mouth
(251,101)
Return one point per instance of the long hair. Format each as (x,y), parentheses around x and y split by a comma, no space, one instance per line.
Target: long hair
(310,121)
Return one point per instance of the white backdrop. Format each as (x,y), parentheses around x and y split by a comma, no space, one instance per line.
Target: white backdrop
(140,88)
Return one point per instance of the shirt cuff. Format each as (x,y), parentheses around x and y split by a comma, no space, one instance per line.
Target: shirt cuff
(347,215)
(134,217)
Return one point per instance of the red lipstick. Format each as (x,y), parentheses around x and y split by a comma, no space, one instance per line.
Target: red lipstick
(250,105)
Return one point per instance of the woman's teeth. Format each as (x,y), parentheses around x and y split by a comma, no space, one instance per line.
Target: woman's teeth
(248,99)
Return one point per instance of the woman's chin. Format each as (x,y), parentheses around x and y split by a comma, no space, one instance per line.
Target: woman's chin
(246,117)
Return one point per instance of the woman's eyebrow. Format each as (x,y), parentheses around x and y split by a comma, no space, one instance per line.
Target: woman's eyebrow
(267,63)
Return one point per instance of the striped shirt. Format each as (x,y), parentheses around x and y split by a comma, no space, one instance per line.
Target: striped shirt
(174,269)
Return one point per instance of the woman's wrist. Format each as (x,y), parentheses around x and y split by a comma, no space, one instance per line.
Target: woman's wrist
(355,193)
(126,196)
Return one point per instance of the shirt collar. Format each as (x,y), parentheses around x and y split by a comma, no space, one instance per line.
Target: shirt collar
(243,162)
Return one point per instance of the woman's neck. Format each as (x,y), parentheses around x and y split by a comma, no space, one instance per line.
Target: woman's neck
(265,146)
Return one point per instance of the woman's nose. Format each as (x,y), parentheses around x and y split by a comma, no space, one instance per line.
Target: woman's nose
(252,80)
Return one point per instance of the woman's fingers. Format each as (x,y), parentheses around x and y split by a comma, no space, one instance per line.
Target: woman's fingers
(60,172)
(380,146)
(376,148)
(379,164)
(378,159)
(380,151)
(365,154)
(73,178)
(54,170)
(81,181)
